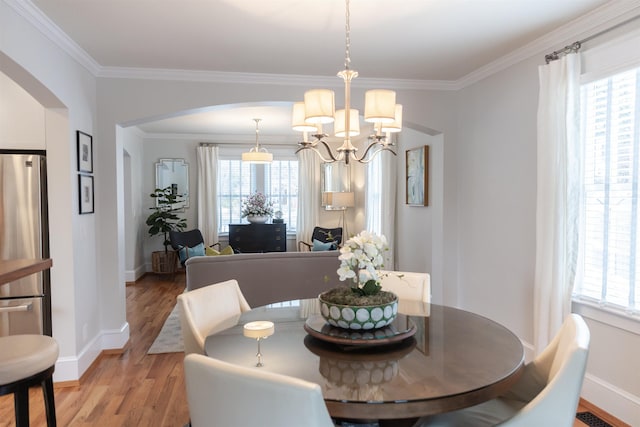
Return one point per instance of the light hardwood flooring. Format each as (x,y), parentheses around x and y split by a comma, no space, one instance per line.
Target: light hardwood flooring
(131,388)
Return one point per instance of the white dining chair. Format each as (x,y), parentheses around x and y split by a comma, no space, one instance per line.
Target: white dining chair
(547,394)
(223,394)
(407,285)
(207,309)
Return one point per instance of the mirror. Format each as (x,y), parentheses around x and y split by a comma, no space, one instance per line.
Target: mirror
(174,173)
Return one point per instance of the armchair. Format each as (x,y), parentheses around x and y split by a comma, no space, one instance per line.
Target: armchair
(188,243)
(322,239)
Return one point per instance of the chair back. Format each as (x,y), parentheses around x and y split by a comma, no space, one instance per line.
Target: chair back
(551,383)
(326,235)
(222,394)
(546,394)
(407,285)
(208,309)
(187,239)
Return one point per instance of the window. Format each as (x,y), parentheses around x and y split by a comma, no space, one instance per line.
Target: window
(237,180)
(610,255)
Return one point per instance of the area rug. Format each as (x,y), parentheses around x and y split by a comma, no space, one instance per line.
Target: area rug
(169,340)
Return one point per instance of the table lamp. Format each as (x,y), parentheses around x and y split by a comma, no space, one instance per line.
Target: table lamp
(259,330)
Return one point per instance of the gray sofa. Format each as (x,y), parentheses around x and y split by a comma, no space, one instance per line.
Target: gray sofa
(268,277)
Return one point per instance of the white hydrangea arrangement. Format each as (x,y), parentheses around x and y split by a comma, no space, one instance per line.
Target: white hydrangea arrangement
(360,258)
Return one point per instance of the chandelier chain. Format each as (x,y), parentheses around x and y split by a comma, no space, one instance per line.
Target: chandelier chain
(347,28)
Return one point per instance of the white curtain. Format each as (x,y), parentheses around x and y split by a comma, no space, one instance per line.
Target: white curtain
(308,194)
(558,195)
(380,200)
(208,193)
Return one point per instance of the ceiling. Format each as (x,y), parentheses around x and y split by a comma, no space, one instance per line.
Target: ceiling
(434,40)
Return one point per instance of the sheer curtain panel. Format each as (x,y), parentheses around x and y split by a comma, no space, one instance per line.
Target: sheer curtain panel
(308,195)
(208,193)
(558,195)
(380,201)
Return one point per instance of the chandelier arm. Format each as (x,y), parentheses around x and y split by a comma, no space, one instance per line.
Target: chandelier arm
(314,149)
(364,158)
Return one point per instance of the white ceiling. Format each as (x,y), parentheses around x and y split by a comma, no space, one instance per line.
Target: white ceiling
(435,40)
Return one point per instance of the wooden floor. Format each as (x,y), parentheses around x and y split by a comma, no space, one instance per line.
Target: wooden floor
(133,388)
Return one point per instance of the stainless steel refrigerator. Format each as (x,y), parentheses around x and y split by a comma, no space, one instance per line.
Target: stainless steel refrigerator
(25,304)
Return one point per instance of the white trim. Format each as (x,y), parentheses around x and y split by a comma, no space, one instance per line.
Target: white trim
(607,315)
(604,395)
(135,274)
(50,30)
(222,139)
(611,13)
(71,368)
(610,58)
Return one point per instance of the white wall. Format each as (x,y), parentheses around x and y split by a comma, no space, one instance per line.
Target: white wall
(66,90)
(134,202)
(22,118)
(496,176)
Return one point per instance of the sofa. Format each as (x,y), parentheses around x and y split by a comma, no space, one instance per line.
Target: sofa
(265,278)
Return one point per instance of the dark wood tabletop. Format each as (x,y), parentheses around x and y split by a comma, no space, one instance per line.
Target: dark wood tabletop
(454,360)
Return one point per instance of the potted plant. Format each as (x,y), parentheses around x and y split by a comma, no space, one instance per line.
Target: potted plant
(364,305)
(256,208)
(163,220)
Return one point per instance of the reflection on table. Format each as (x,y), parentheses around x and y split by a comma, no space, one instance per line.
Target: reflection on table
(453,359)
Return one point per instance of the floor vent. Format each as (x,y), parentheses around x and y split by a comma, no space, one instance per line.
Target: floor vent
(591,420)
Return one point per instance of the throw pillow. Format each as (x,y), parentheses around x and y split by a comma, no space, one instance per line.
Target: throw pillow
(212,252)
(321,246)
(186,252)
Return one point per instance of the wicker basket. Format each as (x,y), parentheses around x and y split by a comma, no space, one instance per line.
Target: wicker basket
(164,262)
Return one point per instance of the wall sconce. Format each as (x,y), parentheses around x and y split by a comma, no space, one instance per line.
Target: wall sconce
(259,330)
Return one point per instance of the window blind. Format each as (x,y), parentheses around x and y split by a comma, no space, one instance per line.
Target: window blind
(609,241)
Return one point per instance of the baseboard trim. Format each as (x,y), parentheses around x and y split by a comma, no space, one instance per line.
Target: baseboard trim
(71,368)
(135,274)
(611,399)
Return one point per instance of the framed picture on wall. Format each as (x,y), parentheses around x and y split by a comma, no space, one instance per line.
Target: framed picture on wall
(417,171)
(85,194)
(85,152)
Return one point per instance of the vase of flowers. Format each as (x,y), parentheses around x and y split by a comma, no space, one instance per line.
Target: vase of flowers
(256,208)
(364,305)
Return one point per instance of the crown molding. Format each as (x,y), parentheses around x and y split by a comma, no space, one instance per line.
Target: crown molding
(248,139)
(593,22)
(50,30)
(277,79)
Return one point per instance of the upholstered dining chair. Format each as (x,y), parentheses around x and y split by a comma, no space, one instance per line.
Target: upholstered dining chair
(207,309)
(407,285)
(547,394)
(322,239)
(222,394)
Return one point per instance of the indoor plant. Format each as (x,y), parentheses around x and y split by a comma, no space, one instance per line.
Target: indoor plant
(256,208)
(163,220)
(364,305)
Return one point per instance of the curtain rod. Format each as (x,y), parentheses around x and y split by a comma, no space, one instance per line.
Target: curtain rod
(574,47)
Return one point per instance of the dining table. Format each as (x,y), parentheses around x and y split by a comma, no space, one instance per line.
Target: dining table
(432,359)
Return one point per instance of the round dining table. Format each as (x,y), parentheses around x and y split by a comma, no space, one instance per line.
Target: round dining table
(435,359)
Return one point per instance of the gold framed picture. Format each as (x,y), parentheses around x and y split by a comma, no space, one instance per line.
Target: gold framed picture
(417,172)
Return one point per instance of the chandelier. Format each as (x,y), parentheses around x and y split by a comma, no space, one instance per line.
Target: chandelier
(318,108)
(257,154)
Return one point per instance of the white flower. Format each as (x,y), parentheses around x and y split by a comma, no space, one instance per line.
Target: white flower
(361,256)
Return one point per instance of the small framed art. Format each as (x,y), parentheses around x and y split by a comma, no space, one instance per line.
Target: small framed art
(85,194)
(85,152)
(417,172)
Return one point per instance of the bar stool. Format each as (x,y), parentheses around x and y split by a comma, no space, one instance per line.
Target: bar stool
(27,361)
